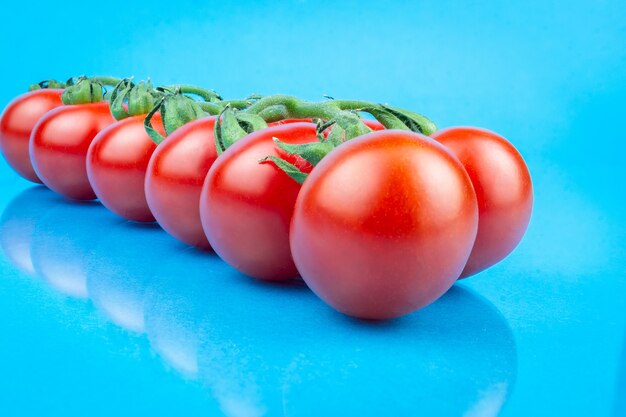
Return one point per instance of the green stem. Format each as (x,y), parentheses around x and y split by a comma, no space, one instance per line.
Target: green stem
(278,107)
(211,108)
(306,109)
(111,81)
(207,95)
(216,108)
(237,104)
(340,113)
(274,113)
(295,108)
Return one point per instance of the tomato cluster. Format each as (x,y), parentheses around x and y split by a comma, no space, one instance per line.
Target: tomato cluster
(378,217)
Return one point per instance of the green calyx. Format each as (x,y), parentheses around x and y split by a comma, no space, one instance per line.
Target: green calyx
(341,116)
(343,124)
(235,124)
(130,99)
(231,125)
(395,118)
(290,169)
(314,152)
(176,109)
(84,90)
(46,84)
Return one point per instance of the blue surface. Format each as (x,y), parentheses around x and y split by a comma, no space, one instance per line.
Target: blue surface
(99,316)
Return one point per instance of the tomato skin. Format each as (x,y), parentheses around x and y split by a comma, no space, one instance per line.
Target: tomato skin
(246,207)
(59,144)
(175,176)
(384,224)
(503,189)
(16,124)
(375,125)
(117,162)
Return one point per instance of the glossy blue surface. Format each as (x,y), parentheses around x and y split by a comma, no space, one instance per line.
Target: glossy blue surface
(99,316)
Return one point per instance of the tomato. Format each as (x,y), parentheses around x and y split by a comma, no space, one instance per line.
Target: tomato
(175,176)
(384,224)
(374,124)
(246,206)
(59,144)
(16,124)
(117,161)
(503,189)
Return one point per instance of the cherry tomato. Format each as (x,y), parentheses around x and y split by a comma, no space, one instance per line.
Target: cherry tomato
(16,124)
(503,189)
(175,176)
(384,224)
(117,162)
(59,144)
(374,124)
(246,206)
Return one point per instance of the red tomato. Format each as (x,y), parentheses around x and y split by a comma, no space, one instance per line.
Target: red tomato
(59,144)
(503,189)
(117,162)
(374,124)
(16,124)
(175,176)
(246,207)
(384,224)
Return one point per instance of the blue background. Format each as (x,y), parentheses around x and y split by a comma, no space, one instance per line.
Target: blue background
(103,317)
